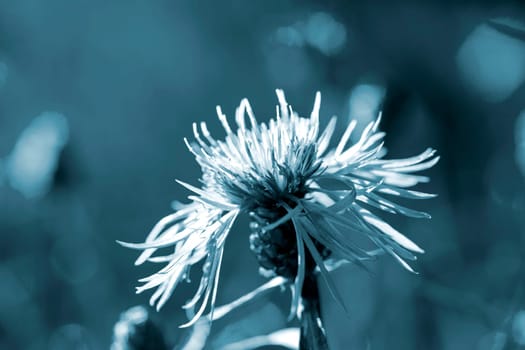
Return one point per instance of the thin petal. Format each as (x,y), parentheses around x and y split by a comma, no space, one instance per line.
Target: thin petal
(223,310)
(401,192)
(207,197)
(324,139)
(397,208)
(210,289)
(398,163)
(344,139)
(319,261)
(390,231)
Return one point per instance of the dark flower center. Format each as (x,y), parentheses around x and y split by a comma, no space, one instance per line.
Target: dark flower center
(276,249)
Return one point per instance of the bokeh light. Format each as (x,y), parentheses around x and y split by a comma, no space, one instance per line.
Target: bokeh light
(491,63)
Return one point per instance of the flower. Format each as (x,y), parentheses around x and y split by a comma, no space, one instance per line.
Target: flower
(311,206)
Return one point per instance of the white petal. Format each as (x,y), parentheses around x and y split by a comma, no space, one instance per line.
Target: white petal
(391,232)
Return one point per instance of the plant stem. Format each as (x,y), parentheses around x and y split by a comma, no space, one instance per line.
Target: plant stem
(313,335)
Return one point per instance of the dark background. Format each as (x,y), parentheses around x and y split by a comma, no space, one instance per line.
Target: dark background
(131,76)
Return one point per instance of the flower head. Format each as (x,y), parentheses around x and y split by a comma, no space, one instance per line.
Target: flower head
(310,205)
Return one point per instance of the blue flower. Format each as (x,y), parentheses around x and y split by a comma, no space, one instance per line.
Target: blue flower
(284,174)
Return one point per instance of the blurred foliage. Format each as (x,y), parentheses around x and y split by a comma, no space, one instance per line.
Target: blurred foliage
(136,331)
(130,77)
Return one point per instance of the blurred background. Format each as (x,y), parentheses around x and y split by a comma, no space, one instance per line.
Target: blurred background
(96,97)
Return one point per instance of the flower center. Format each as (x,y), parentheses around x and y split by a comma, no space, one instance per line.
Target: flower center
(276,249)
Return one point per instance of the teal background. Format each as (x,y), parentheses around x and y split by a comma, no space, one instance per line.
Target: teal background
(130,77)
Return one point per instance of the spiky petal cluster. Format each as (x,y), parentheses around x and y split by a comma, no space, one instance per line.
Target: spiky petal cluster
(285,167)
